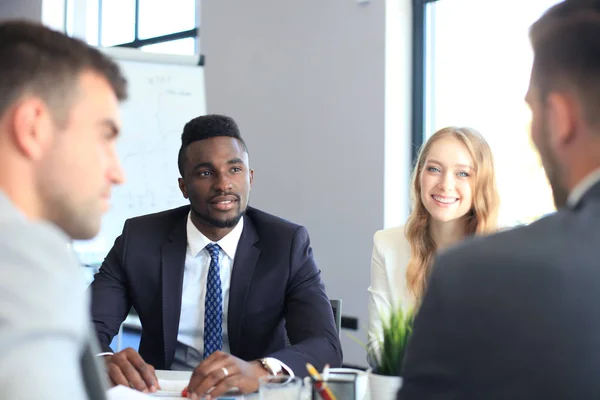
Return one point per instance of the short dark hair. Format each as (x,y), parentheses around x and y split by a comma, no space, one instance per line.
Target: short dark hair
(205,127)
(38,60)
(566,46)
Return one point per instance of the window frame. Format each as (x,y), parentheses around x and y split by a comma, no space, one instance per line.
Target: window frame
(419,76)
(137,42)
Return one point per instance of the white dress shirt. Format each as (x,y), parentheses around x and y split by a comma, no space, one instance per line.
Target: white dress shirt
(195,274)
(582,187)
(193,294)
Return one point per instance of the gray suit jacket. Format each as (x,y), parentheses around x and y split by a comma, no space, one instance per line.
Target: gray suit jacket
(515,315)
(46,342)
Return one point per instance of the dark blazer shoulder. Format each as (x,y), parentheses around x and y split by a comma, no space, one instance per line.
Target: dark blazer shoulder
(522,251)
(154,229)
(540,240)
(269,226)
(509,242)
(163,218)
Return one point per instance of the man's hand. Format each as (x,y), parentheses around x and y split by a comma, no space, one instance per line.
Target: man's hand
(222,372)
(127,368)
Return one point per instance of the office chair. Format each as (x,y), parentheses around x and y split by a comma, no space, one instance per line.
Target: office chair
(336,306)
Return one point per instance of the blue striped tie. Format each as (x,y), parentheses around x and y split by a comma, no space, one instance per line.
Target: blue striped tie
(213,305)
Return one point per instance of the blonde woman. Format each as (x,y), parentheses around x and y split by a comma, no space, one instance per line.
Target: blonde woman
(453,193)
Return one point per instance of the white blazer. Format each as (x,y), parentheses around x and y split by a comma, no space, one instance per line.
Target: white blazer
(391,253)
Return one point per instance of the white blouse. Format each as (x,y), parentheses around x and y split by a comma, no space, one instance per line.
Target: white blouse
(391,253)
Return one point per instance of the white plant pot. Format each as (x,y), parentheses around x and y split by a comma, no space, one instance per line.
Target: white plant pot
(382,387)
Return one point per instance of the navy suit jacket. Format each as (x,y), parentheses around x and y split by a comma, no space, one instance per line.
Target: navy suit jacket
(276,288)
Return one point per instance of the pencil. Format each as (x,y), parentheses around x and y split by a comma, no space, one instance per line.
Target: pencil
(326,372)
(322,388)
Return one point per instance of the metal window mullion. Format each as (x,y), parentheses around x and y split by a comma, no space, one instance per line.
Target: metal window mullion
(99,22)
(418,72)
(136,29)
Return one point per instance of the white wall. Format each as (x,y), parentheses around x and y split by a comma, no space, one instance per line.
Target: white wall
(398,110)
(306,81)
(28,9)
(49,12)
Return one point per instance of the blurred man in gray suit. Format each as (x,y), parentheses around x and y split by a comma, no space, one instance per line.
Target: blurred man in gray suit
(59,120)
(517,315)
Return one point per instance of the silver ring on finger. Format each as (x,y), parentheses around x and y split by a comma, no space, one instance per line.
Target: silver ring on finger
(225,371)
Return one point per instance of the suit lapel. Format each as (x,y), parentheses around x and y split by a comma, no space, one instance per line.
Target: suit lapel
(172,266)
(244,265)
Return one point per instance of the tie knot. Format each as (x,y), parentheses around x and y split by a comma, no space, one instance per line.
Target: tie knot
(213,250)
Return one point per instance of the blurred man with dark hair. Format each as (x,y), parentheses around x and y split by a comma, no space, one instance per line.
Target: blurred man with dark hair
(59,120)
(515,315)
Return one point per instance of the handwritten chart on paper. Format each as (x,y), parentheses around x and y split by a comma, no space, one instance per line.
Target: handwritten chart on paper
(162,98)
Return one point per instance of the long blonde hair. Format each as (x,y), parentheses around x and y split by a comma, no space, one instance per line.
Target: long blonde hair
(482,217)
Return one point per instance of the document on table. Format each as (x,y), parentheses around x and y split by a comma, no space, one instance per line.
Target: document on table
(121,392)
(170,390)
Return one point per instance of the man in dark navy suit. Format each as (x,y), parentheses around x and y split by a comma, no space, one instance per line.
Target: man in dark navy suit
(218,286)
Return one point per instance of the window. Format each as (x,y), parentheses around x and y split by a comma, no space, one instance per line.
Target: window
(165,27)
(158,18)
(116,21)
(179,46)
(477,61)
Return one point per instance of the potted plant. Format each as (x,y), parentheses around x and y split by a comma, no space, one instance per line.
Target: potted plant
(385,380)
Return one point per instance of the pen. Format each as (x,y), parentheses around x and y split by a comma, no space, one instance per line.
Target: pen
(321,387)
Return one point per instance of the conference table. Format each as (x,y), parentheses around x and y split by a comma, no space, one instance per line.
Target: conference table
(177,380)
(173,382)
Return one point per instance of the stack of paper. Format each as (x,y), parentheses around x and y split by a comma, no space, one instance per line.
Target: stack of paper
(170,390)
(124,393)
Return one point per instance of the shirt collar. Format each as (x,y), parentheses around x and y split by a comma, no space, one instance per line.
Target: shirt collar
(582,187)
(7,204)
(4,202)
(197,241)
(7,207)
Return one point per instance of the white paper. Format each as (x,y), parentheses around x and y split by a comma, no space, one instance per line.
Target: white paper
(121,392)
(172,385)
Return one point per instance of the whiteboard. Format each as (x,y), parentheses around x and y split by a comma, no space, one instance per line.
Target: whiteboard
(165,92)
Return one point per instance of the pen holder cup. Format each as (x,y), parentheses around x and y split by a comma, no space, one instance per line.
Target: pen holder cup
(345,384)
(280,388)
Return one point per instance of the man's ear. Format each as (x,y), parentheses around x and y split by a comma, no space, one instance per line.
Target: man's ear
(563,117)
(32,127)
(251,177)
(182,187)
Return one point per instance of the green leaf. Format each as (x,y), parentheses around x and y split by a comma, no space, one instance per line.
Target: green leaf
(396,331)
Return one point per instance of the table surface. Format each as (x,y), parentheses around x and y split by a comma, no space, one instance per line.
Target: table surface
(185,376)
